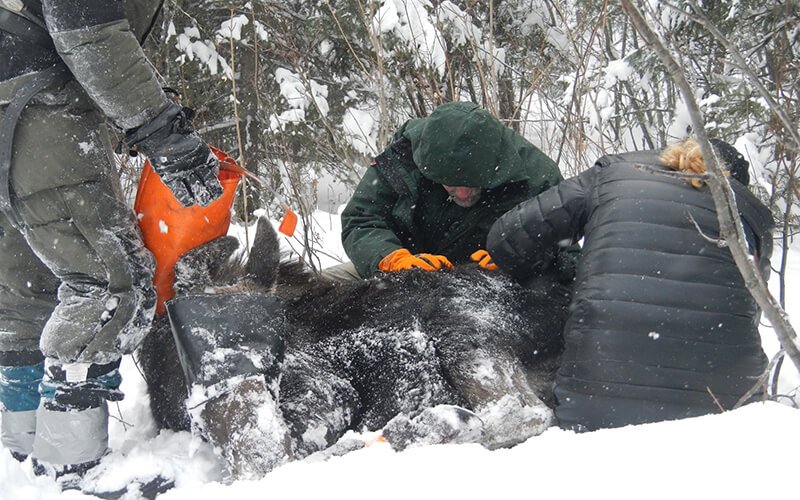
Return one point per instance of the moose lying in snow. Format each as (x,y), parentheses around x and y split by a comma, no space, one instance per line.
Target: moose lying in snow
(281,363)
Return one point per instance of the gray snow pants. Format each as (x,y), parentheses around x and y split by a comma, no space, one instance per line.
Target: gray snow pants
(75,278)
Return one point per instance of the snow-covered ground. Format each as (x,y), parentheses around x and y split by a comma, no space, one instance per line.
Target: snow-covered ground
(739,454)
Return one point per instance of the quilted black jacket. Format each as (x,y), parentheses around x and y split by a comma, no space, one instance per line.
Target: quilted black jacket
(660,318)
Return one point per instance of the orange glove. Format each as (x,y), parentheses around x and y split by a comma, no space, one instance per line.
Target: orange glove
(484,260)
(402,260)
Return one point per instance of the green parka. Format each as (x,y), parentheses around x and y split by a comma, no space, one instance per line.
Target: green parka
(400,201)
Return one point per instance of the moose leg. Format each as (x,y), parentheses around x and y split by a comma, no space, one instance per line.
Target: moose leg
(494,382)
(318,404)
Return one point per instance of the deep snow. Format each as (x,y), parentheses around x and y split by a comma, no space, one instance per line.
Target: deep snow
(737,454)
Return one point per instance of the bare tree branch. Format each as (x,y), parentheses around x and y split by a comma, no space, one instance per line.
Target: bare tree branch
(716,241)
(716,401)
(761,383)
(745,68)
(727,214)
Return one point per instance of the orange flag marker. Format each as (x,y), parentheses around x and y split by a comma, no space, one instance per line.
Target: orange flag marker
(289,223)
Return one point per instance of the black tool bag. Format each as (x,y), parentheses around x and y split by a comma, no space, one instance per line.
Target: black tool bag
(220,337)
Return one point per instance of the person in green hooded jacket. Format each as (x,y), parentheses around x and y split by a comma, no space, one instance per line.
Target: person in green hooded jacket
(429,200)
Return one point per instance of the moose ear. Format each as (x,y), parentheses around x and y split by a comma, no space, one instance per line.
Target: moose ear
(265,255)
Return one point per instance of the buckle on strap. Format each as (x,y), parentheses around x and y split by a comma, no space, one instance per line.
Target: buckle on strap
(78,372)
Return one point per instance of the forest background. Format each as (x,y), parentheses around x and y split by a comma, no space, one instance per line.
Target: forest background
(305,92)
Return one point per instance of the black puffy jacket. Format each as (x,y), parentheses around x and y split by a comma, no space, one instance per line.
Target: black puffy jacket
(660,319)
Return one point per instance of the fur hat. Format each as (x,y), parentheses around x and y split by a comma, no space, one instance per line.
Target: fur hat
(734,161)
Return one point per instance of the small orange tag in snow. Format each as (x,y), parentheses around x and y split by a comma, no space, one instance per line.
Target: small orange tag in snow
(378,439)
(289,223)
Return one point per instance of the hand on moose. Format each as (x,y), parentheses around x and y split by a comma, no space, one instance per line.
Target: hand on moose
(484,260)
(403,260)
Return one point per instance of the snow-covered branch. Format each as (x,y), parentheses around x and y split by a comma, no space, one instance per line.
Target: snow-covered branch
(727,213)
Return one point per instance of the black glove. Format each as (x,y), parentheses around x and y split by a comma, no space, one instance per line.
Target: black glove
(566,263)
(178,155)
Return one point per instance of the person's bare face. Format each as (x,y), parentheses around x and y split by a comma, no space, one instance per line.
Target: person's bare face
(463,196)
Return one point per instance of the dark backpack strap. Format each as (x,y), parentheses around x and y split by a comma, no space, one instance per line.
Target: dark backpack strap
(8,123)
(389,164)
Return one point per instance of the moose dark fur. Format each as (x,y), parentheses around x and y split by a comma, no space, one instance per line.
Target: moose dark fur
(364,354)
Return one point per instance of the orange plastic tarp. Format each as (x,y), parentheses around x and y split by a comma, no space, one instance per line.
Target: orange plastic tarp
(169,229)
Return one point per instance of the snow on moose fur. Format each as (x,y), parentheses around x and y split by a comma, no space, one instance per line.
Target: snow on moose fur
(454,356)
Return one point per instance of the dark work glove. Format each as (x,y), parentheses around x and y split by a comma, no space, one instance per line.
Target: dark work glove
(178,155)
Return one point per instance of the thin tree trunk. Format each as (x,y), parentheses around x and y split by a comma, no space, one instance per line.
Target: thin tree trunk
(727,213)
